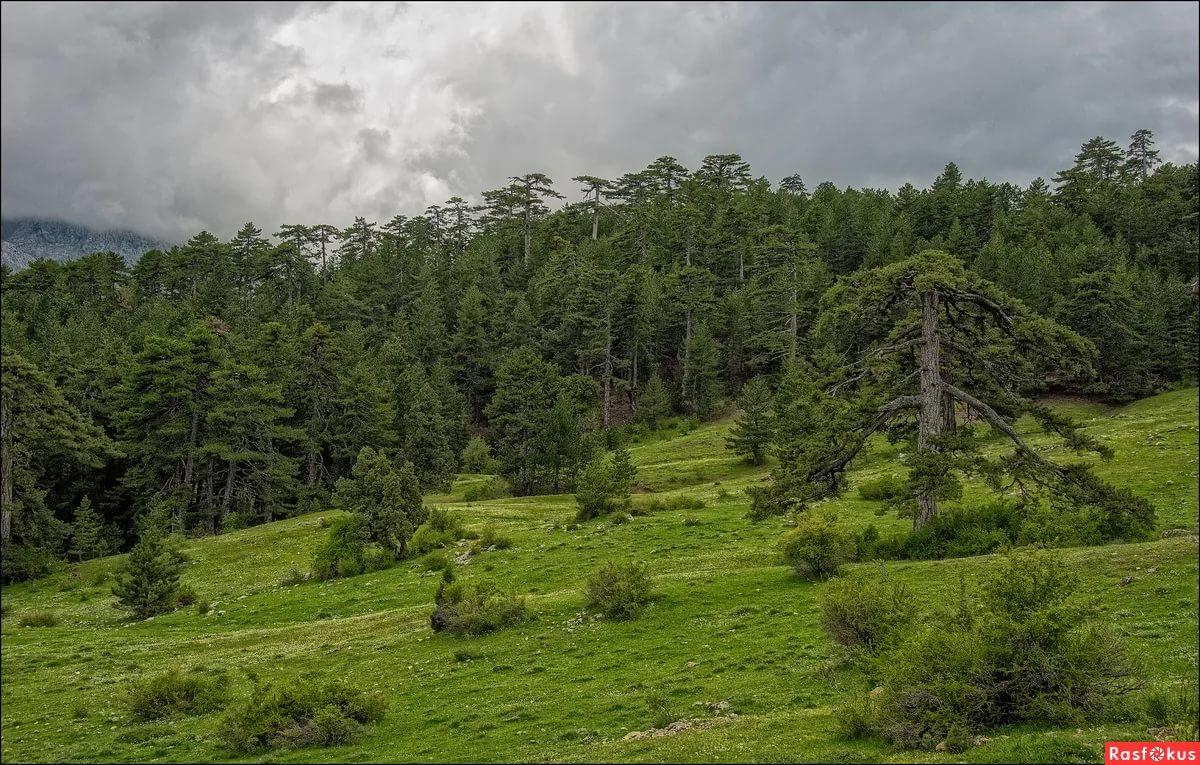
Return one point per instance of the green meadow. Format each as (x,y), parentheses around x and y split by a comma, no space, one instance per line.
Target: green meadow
(730,643)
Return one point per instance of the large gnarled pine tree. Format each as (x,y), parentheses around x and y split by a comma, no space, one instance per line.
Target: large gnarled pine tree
(915,350)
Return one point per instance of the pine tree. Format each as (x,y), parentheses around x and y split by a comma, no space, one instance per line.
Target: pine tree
(425,441)
(752,431)
(386,499)
(654,402)
(88,539)
(149,583)
(1141,157)
(526,388)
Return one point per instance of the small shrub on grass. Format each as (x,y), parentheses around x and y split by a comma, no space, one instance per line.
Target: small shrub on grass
(619,591)
(882,488)
(435,561)
(661,710)
(300,713)
(1024,655)
(474,608)
(343,552)
(691,521)
(957,533)
(149,583)
(293,577)
(186,595)
(203,607)
(80,712)
(604,484)
(40,619)
(866,609)
(177,693)
(854,718)
(817,547)
(481,492)
(442,529)
(490,538)
(1176,708)
(19,563)
(664,504)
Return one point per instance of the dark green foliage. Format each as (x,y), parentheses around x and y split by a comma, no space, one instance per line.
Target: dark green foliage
(348,550)
(1023,652)
(654,403)
(619,591)
(149,581)
(817,547)
(660,504)
(442,529)
(176,692)
(300,713)
(754,427)
(490,539)
(493,489)
(385,497)
(474,608)
(88,539)
(866,609)
(604,486)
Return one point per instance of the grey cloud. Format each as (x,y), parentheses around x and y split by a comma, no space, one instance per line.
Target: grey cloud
(171,118)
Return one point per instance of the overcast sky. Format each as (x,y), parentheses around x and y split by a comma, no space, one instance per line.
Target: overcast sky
(168,119)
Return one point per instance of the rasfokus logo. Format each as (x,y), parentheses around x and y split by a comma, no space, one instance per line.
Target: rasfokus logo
(1151,751)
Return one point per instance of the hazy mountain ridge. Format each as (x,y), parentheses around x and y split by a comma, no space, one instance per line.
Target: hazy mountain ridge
(25,240)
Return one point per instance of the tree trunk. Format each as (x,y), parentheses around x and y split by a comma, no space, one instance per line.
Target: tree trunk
(596,218)
(311,478)
(527,236)
(6,467)
(793,321)
(227,499)
(931,418)
(189,462)
(687,349)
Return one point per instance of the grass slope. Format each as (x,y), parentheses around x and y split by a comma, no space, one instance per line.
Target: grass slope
(729,624)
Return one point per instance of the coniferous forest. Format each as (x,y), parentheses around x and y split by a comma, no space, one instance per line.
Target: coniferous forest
(222,384)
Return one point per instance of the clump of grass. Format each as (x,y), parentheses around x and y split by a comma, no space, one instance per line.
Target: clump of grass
(41,618)
(662,712)
(300,713)
(661,504)
(619,591)
(437,560)
(175,692)
(442,529)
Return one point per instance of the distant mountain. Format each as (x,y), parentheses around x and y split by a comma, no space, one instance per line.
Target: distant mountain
(24,240)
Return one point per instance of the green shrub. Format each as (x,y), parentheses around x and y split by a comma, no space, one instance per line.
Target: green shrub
(882,488)
(176,692)
(854,718)
(40,619)
(185,595)
(662,712)
(957,533)
(293,577)
(604,484)
(300,713)
(1051,524)
(203,606)
(149,581)
(866,609)
(619,590)
(691,521)
(442,529)
(485,490)
(816,548)
(343,552)
(477,456)
(473,608)
(435,561)
(1023,655)
(490,538)
(19,563)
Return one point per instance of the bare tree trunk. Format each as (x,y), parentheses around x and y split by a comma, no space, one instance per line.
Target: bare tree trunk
(311,478)
(793,320)
(527,235)
(687,350)
(930,419)
(596,217)
(633,367)
(189,462)
(6,467)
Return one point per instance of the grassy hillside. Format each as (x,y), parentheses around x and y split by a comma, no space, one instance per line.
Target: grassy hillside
(729,624)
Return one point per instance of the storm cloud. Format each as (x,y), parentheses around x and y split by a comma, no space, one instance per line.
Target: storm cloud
(168,118)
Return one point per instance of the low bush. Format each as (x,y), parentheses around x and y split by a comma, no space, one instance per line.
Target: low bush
(300,713)
(662,711)
(474,608)
(19,563)
(1174,709)
(956,533)
(485,490)
(347,551)
(1021,654)
(176,692)
(477,456)
(40,619)
(185,595)
(442,529)
(489,539)
(866,609)
(619,590)
(437,560)
(817,547)
(884,487)
(293,577)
